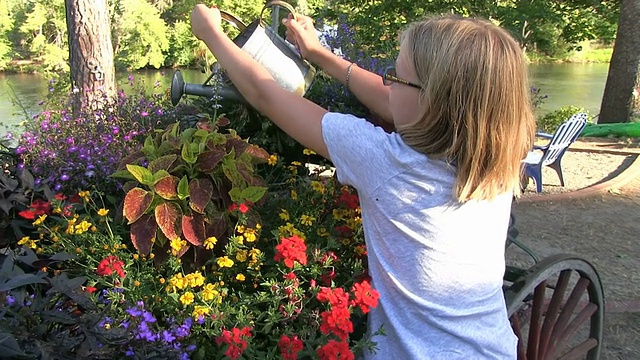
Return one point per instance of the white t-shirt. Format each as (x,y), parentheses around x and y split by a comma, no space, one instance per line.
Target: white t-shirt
(437,264)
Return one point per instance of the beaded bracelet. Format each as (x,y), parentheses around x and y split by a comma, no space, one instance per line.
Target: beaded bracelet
(346,83)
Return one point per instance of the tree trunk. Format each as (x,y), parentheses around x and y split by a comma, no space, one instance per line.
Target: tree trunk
(620,92)
(90,53)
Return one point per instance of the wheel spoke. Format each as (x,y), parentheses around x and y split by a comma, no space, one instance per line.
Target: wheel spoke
(567,312)
(536,316)
(553,310)
(583,317)
(579,351)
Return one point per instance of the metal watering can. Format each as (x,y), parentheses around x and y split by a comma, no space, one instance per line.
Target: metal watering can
(263,44)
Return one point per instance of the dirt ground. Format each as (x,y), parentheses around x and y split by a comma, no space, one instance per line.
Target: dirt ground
(603,229)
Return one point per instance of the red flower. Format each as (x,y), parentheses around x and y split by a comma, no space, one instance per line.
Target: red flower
(336,297)
(365,297)
(59,197)
(290,250)
(243,208)
(335,350)
(236,339)
(337,321)
(289,347)
(37,208)
(90,289)
(349,200)
(109,265)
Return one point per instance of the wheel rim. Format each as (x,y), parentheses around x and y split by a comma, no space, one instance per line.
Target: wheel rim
(557,310)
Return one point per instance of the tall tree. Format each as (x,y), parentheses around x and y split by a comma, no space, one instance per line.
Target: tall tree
(620,92)
(90,52)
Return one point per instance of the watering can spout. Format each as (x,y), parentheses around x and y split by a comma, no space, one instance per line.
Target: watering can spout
(179,88)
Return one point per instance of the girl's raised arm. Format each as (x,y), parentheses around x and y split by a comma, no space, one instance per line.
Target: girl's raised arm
(295,115)
(365,85)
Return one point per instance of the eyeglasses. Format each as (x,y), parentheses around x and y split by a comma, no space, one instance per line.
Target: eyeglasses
(389,76)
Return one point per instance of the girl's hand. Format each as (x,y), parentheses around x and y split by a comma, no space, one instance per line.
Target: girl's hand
(205,20)
(302,34)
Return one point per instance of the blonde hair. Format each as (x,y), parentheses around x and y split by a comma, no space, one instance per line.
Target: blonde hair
(475,104)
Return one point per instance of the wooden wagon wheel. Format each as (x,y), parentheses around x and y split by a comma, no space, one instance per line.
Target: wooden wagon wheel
(556,309)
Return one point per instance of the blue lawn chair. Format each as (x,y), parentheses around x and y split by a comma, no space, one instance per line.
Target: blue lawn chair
(551,153)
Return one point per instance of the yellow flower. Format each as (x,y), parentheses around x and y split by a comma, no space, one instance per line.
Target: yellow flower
(33,244)
(241,255)
(161,280)
(177,244)
(82,227)
(103,212)
(209,292)
(78,250)
(307,220)
(177,282)
(323,232)
(136,256)
(187,298)
(284,215)
(296,163)
(273,159)
(308,152)
(240,277)
(250,235)
(210,242)
(40,220)
(84,195)
(24,240)
(294,195)
(224,262)
(319,187)
(195,279)
(200,310)
(136,283)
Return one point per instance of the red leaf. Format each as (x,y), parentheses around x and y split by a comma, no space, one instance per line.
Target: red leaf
(168,217)
(236,143)
(162,163)
(193,229)
(167,187)
(208,160)
(142,234)
(258,153)
(200,191)
(136,203)
(217,226)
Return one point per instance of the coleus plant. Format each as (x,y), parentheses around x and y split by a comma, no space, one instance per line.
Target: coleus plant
(188,190)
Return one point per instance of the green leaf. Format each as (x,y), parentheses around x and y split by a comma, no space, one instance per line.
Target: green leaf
(253,193)
(20,281)
(187,154)
(183,188)
(236,195)
(141,174)
(9,347)
(123,174)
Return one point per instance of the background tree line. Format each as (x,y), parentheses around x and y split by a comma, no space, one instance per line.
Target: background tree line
(156,33)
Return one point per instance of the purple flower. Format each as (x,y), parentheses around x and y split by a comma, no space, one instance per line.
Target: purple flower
(10,300)
(144,114)
(168,337)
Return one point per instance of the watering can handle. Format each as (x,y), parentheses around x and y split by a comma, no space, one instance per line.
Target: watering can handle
(231,19)
(277,3)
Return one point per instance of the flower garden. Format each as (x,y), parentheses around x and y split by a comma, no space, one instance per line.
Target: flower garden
(159,232)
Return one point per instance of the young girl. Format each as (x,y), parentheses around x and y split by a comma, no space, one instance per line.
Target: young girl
(436,193)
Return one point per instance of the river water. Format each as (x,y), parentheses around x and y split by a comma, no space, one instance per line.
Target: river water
(564,84)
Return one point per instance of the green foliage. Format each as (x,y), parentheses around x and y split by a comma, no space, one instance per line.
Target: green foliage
(550,122)
(18,190)
(140,35)
(192,178)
